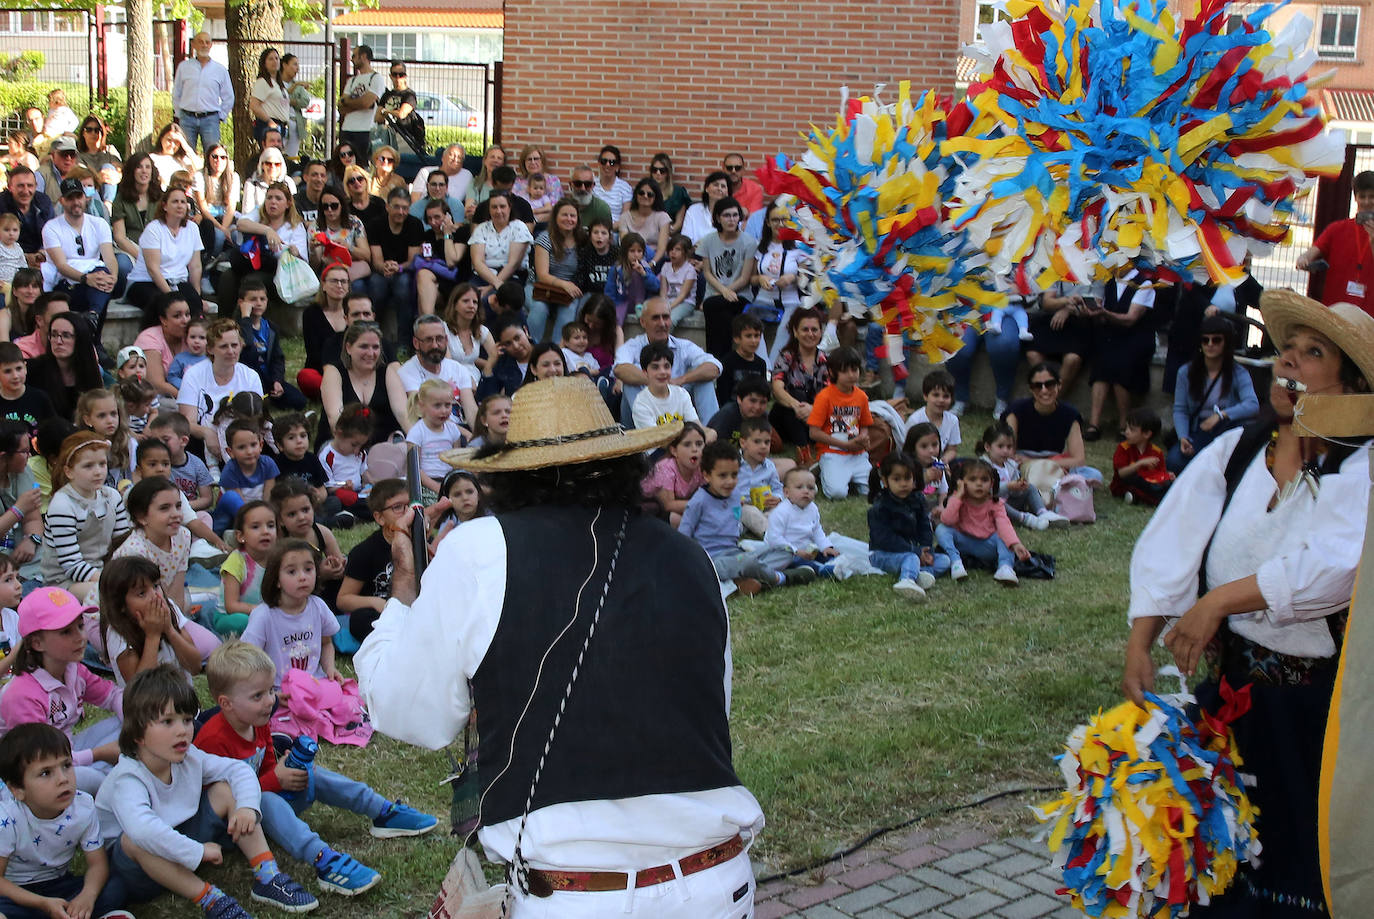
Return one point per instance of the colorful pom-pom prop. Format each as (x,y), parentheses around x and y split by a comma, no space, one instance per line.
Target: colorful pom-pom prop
(1155,817)
(1104,134)
(868,199)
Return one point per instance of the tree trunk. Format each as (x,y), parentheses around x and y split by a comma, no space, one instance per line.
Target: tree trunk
(253,22)
(139,41)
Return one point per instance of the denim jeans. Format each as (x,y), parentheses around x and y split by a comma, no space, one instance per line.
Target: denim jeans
(1004,352)
(63,888)
(282,822)
(538,317)
(682,311)
(703,399)
(205,128)
(907,565)
(126,265)
(873,340)
(990,552)
(86,299)
(397,292)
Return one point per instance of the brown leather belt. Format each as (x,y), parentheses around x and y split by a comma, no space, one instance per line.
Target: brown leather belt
(544,883)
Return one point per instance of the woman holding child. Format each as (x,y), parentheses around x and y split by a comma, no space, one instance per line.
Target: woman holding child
(1251,559)
(639,774)
(165,340)
(207,383)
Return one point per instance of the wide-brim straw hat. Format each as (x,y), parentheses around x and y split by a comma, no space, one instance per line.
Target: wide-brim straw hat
(560,422)
(1348,326)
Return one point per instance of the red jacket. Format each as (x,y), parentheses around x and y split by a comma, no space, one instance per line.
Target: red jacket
(219,738)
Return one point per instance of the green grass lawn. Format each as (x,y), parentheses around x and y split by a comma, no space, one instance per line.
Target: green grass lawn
(853,709)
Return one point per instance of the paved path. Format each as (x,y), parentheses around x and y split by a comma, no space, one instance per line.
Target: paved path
(921,873)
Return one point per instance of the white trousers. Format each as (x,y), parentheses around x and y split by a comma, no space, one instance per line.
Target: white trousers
(840,469)
(723,892)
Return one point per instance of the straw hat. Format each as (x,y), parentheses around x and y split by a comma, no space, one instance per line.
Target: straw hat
(1348,326)
(558,422)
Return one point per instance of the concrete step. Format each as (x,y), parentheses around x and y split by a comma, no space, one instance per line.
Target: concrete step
(123,322)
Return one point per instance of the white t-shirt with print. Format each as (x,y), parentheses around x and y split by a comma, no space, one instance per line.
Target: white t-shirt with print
(360,84)
(41,850)
(650,410)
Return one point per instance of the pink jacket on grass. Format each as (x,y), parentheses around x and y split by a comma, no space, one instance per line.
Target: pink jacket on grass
(979,520)
(39,697)
(323,709)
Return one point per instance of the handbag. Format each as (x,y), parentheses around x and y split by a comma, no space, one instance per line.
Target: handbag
(294,280)
(1039,566)
(551,294)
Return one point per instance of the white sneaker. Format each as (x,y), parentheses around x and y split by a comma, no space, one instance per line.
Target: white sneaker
(1128,498)
(910,590)
(998,408)
(957,571)
(1006,575)
(925,579)
(1053,519)
(958,408)
(1037,522)
(1026,336)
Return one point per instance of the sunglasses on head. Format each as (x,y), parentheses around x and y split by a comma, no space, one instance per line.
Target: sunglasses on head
(1043,384)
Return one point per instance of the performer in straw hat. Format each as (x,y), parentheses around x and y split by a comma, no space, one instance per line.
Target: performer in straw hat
(569,600)
(1251,560)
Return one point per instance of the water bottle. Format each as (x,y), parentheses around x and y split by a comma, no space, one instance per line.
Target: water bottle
(300,756)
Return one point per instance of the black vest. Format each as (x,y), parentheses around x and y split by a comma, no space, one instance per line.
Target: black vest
(647,714)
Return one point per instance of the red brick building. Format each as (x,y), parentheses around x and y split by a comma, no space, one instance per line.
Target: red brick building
(699,80)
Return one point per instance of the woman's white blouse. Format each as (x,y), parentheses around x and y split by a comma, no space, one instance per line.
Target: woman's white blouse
(1303,553)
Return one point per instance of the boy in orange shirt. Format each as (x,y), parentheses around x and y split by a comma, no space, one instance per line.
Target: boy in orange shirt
(839,426)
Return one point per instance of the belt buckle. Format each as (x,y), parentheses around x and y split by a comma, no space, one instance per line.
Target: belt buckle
(538,885)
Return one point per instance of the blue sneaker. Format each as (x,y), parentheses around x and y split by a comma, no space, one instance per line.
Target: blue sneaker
(285,894)
(226,907)
(400,820)
(346,876)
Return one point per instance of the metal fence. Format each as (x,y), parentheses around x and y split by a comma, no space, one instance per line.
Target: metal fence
(455,100)
(318,66)
(52,48)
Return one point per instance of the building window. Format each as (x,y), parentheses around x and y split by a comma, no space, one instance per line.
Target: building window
(988,11)
(403,45)
(1338,32)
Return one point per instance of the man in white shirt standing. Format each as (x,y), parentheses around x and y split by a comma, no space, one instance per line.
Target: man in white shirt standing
(358,103)
(431,362)
(81,257)
(202,95)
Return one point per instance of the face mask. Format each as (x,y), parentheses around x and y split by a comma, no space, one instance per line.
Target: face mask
(90,191)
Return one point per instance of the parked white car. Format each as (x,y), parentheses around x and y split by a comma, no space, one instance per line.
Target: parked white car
(447,112)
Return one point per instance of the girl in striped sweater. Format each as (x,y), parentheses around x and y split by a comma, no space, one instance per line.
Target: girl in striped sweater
(84,517)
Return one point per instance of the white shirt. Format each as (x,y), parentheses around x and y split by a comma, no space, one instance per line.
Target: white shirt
(433,443)
(59,234)
(42,850)
(457,375)
(949,427)
(275,103)
(616,197)
(498,243)
(414,670)
(687,355)
(650,410)
(202,88)
(575,362)
(115,644)
(292,234)
(177,247)
(360,84)
(796,528)
(200,389)
(457,184)
(697,223)
(1304,552)
(468,358)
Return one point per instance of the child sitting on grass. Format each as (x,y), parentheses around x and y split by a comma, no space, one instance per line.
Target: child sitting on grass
(743,362)
(1025,504)
(248,475)
(168,807)
(188,471)
(759,488)
(367,574)
(43,820)
(139,627)
(712,518)
(11,592)
(84,517)
(839,426)
(292,624)
(434,434)
(98,411)
(241,677)
(900,535)
(343,457)
(296,519)
(975,522)
(465,502)
(795,525)
(1138,470)
(295,460)
(937,389)
(255,528)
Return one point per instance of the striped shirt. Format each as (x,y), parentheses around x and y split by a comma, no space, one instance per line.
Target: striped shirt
(78,531)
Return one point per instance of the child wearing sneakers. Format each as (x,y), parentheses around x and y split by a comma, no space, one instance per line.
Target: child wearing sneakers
(1025,505)
(900,537)
(240,678)
(43,820)
(839,426)
(712,518)
(168,807)
(975,522)
(795,525)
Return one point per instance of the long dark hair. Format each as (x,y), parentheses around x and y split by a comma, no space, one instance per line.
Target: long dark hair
(798,315)
(44,373)
(612,482)
(556,248)
(128,189)
(117,578)
(766,237)
(1197,368)
(262,67)
(345,209)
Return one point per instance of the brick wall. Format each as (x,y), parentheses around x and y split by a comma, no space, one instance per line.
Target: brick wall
(699,80)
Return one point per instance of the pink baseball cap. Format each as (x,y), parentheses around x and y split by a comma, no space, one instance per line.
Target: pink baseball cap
(49,608)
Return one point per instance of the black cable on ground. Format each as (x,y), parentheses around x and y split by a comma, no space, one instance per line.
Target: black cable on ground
(883,831)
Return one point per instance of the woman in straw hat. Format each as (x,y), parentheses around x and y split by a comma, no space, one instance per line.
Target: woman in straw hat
(1252,559)
(635,808)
